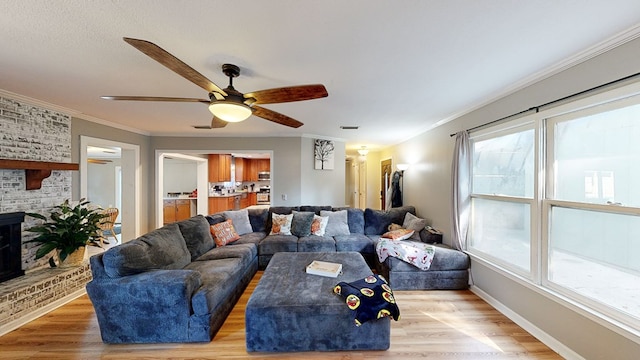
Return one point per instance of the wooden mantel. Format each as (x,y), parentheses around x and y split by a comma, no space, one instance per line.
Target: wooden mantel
(36,171)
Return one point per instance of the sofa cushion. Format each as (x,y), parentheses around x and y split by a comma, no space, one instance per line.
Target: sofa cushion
(215,218)
(301,223)
(240,221)
(258,219)
(162,248)
(273,244)
(220,278)
(377,221)
(313,243)
(253,238)
(356,219)
(315,209)
(244,251)
(355,242)
(337,224)
(414,223)
(196,234)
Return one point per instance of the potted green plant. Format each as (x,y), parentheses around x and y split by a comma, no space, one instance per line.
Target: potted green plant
(68,231)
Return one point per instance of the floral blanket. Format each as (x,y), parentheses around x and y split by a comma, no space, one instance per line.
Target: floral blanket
(415,253)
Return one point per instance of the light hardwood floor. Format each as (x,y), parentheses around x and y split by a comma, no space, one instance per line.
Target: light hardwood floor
(433,325)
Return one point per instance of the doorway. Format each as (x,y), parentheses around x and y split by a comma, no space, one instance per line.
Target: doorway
(126,192)
(385,183)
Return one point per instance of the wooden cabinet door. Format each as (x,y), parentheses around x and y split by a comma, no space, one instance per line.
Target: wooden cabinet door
(169,211)
(251,169)
(253,199)
(240,169)
(183,209)
(264,165)
(225,167)
(219,167)
(214,165)
(244,201)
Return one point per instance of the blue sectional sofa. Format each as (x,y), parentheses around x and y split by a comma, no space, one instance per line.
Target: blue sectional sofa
(174,284)
(170,285)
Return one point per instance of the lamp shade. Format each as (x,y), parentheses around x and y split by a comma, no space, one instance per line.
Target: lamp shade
(403,167)
(363,152)
(230,111)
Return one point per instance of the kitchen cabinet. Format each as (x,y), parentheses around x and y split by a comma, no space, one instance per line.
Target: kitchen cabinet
(240,164)
(244,200)
(219,167)
(264,165)
(253,199)
(176,210)
(224,203)
(251,169)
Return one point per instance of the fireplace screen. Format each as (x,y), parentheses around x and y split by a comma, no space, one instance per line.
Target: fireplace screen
(11,245)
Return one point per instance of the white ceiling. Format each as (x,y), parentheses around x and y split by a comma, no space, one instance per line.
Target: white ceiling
(393,68)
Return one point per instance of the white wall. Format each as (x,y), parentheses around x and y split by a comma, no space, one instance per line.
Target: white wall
(427,185)
(321,187)
(180,176)
(101,183)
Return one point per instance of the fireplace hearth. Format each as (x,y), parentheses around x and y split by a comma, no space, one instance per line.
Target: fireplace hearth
(11,245)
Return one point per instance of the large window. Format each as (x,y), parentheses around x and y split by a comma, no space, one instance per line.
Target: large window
(593,206)
(574,210)
(503,194)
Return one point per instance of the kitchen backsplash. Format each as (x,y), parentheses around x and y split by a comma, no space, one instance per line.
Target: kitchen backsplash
(228,187)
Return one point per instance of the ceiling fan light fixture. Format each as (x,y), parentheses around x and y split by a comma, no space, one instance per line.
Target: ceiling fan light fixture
(230,111)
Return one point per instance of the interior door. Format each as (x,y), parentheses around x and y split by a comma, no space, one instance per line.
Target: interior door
(385,181)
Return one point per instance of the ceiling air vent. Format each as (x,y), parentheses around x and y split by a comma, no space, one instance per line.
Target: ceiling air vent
(344,127)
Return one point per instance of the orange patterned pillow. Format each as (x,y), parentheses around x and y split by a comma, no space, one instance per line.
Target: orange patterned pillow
(398,234)
(224,233)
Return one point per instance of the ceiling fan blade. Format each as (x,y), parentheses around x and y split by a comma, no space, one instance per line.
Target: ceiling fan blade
(275,117)
(155,98)
(218,123)
(288,94)
(163,57)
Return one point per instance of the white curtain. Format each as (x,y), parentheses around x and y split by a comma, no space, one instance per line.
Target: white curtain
(461,185)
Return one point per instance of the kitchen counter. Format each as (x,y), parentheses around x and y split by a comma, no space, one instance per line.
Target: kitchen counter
(234,194)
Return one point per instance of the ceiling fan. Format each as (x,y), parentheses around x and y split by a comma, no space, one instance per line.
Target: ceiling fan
(226,105)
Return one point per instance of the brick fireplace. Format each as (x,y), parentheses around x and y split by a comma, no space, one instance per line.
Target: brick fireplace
(32,132)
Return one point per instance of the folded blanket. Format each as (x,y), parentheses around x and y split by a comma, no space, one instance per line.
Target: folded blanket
(415,253)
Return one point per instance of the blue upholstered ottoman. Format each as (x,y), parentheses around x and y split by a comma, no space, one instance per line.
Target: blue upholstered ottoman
(291,310)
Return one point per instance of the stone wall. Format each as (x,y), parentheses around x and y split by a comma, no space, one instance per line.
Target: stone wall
(29,132)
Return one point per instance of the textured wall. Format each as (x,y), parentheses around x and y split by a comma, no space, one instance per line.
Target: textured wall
(29,132)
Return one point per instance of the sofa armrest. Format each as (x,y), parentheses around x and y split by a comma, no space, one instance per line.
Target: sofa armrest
(153,306)
(162,287)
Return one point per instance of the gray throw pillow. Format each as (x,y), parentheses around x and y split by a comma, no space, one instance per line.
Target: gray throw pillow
(338,223)
(240,219)
(301,223)
(412,222)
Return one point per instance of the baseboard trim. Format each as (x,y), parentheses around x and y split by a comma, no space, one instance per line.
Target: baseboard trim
(539,334)
(9,327)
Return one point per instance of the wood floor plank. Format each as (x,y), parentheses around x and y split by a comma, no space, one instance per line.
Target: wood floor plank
(433,325)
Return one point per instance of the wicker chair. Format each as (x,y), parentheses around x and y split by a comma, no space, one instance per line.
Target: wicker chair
(107,223)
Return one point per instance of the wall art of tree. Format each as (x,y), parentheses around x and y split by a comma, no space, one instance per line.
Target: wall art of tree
(323,153)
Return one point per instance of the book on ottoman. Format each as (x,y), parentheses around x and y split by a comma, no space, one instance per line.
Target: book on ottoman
(324,268)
